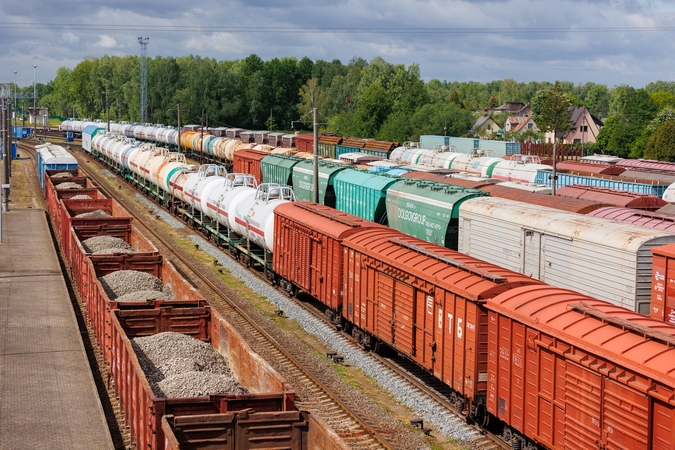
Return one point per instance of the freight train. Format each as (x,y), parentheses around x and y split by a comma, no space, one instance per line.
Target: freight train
(236,209)
(550,367)
(80,212)
(511,347)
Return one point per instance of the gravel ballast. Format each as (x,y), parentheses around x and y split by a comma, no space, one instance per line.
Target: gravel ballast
(68,185)
(445,422)
(124,282)
(98,214)
(178,365)
(106,245)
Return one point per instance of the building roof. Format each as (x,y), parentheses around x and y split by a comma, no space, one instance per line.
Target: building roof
(513,107)
(482,120)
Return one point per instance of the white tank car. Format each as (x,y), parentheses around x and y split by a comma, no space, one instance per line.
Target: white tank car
(129,131)
(138,159)
(483,166)
(108,143)
(122,158)
(66,125)
(464,160)
(255,215)
(519,169)
(98,140)
(427,158)
(193,189)
(222,202)
(444,160)
(669,194)
(177,184)
(176,164)
(396,155)
(155,164)
(124,147)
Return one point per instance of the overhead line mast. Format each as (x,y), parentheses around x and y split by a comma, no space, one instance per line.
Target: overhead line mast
(144,78)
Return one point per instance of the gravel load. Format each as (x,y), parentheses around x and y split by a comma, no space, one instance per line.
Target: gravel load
(80,197)
(68,185)
(425,407)
(62,175)
(122,282)
(178,365)
(199,384)
(106,244)
(98,214)
(141,296)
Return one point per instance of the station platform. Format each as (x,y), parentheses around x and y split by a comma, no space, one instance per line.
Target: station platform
(48,398)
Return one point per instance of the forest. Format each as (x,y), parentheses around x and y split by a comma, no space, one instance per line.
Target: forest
(373,99)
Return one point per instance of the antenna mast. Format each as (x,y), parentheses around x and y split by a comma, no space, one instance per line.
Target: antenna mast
(144,78)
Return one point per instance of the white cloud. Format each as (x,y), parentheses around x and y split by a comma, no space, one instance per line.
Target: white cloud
(106,41)
(70,38)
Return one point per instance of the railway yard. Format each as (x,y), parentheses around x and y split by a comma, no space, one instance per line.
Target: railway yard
(219,307)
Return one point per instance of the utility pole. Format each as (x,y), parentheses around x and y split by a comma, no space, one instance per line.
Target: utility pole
(107,109)
(15,72)
(144,78)
(271,118)
(34,103)
(178,108)
(316,154)
(201,142)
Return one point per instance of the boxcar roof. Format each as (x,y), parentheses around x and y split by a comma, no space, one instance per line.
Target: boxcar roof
(600,327)
(324,219)
(647,219)
(564,224)
(470,277)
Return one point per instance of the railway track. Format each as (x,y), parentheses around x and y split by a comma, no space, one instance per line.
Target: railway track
(343,416)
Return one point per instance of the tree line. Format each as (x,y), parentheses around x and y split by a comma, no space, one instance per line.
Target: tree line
(374,99)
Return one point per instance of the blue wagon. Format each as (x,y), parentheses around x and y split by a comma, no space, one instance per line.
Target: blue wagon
(53,157)
(568,179)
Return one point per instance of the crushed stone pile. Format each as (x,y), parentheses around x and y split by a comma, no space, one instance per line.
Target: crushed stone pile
(62,175)
(199,384)
(178,365)
(141,296)
(122,282)
(107,245)
(98,214)
(67,185)
(80,197)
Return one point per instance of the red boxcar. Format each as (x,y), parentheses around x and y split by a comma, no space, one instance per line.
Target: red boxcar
(612,197)
(588,169)
(308,253)
(248,161)
(572,372)
(579,206)
(662,305)
(143,410)
(304,142)
(425,301)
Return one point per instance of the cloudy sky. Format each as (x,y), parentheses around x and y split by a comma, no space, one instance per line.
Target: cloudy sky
(606,41)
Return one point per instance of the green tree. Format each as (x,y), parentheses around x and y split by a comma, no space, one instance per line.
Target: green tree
(440,118)
(551,112)
(492,103)
(311,96)
(661,145)
(663,99)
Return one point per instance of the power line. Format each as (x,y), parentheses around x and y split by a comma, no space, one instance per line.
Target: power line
(329,30)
